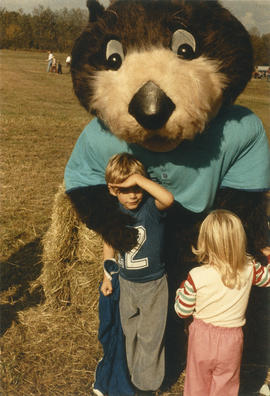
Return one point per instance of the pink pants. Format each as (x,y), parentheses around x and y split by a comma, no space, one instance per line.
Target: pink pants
(213,361)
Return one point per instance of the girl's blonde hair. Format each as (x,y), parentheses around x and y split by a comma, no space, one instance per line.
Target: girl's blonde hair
(121,166)
(222,243)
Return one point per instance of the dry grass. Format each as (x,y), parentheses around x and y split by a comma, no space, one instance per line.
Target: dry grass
(49,334)
(40,122)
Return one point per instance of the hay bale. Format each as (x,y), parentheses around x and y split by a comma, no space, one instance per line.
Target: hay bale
(72,257)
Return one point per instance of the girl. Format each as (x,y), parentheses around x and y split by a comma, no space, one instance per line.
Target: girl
(216,294)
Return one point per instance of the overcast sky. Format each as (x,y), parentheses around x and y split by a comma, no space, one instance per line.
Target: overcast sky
(252,13)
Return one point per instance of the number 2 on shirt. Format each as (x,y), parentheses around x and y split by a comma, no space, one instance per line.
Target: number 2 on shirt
(132,263)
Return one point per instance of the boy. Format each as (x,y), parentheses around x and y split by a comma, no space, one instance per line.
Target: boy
(143,282)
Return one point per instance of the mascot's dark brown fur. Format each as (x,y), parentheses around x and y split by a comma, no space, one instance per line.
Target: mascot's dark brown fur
(156,73)
(144,28)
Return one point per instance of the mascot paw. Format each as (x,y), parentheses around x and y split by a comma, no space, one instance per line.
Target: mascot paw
(130,239)
(123,239)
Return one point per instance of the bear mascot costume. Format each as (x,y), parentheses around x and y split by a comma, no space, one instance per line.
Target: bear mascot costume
(160,79)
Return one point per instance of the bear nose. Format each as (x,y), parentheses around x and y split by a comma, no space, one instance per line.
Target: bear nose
(150,106)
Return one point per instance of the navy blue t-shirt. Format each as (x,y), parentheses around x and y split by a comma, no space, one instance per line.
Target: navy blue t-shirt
(145,262)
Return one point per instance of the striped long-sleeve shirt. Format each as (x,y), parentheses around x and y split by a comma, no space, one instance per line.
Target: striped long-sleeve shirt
(204,295)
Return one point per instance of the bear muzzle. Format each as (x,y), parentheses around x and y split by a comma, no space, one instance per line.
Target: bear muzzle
(151,107)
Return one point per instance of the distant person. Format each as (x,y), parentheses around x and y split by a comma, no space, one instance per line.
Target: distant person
(68,61)
(59,68)
(53,67)
(50,59)
(268,74)
(216,293)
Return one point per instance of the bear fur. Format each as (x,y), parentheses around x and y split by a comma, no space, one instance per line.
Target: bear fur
(155,75)
(200,81)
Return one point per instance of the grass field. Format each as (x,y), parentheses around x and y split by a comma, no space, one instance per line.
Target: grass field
(41,119)
(40,122)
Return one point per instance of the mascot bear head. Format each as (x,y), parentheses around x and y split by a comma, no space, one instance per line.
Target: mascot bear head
(156,72)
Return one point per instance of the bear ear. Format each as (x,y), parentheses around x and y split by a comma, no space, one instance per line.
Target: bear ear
(95,10)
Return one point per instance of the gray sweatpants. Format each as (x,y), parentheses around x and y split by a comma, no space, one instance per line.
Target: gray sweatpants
(143,312)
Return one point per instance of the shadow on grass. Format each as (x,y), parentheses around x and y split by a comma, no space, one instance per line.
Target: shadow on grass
(17,273)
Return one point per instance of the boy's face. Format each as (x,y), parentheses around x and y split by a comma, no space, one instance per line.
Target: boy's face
(130,197)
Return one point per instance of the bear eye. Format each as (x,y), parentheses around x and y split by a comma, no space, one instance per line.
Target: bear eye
(183,44)
(114,54)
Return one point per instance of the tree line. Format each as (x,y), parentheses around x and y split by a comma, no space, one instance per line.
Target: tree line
(45,29)
(261,47)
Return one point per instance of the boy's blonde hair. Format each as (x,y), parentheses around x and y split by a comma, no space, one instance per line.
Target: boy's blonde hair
(121,166)
(222,243)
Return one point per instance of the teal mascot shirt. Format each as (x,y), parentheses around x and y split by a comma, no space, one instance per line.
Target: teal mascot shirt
(232,152)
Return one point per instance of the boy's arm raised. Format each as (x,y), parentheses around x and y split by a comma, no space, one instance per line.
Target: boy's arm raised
(163,198)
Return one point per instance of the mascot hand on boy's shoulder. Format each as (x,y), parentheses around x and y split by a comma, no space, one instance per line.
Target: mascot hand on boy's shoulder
(161,77)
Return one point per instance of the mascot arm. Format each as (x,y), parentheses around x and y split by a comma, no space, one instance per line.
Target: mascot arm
(251,208)
(100,211)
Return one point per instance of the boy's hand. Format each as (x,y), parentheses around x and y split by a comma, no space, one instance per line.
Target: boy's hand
(266,251)
(106,287)
(131,181)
